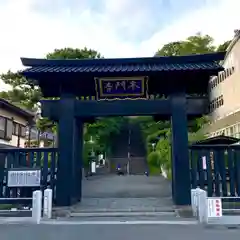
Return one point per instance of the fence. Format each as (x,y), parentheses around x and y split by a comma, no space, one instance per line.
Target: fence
(25,170)
(216,169)
(214,210)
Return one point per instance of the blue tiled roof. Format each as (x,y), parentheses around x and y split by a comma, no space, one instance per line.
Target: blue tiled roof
(124,68)
(154,64)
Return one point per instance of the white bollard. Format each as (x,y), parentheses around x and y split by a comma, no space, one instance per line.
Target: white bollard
(202,207)
(47,205)
(37,206)
(194,201)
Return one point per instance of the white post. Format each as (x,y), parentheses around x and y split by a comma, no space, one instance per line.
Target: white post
(93,167)
(202,207)
(47,207)
(195,193)
(37,206)
(194,201)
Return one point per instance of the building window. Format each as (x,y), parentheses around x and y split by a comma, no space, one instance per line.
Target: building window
(221,77)
(2,127)
(6,128)
(9,129)
(216,103)
(2,123)
(15,128)
(22,131)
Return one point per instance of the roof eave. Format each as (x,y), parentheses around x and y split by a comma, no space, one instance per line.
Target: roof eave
(197,58)
(16,109)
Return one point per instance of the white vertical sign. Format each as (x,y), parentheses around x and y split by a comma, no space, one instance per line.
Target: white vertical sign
(93,167)
(204,162)
(214,207)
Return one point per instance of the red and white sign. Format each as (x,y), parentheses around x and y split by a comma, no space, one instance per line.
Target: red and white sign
(214,207)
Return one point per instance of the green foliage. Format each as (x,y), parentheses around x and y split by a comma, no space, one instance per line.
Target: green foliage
(154,159)
(223,47)
(197,44)
(22,94)
(73,53)
(101,131)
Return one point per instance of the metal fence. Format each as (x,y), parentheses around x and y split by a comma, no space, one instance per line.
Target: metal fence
(216,169)
(24,170)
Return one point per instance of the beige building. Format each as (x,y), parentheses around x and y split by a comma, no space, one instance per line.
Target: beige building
(224,92)
(13,122)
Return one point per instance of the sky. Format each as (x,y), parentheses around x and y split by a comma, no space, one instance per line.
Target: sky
(115,28)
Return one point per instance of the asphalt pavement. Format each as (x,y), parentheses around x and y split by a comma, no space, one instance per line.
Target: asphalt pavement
(116,232)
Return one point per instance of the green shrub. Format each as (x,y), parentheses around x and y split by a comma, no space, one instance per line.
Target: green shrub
(154,159)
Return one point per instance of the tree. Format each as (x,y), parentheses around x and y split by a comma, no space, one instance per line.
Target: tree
(196,44)
(74,53)
(171,49)
(223,47)
(23,95)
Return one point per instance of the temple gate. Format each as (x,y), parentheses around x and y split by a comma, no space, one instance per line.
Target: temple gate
(122,87)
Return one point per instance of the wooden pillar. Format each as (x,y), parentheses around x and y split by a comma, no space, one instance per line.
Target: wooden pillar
(78,158)
(180,158)
(65,186)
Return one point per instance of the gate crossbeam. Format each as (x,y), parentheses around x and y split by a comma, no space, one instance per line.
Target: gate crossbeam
(195,107)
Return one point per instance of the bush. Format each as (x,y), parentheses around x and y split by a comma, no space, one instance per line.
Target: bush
(154,159)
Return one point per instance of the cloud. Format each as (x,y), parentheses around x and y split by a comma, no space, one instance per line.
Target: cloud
(219,20)
(126,28)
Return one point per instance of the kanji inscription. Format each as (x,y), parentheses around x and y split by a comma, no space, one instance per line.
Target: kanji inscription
(121,88)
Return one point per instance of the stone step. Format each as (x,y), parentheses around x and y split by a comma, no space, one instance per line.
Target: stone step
(107,212)
(122,214)
(133,209)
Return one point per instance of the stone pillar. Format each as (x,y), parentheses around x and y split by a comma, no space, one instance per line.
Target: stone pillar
(65,186)
(180,158)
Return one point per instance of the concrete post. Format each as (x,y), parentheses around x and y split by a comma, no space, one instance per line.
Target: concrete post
(47,207)
(37,206)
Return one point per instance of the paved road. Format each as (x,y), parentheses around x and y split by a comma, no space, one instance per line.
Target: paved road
(117,232)
(129,186)
(114,192)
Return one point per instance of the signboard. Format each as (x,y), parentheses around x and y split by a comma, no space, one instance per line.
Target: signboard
(214,207)
(121,88)
(24,178)
(93,167)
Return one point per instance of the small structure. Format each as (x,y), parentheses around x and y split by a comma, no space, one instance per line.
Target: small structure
(114,83)
(224,140)
(13,122)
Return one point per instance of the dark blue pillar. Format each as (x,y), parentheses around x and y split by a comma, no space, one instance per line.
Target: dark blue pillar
(180,157)
(65,186)
(78,158)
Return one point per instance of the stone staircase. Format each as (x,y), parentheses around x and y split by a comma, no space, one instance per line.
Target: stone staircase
(129,150)
(137,151)
(137,165)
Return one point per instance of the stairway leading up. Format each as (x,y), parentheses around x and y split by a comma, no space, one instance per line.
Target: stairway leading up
(129,150)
